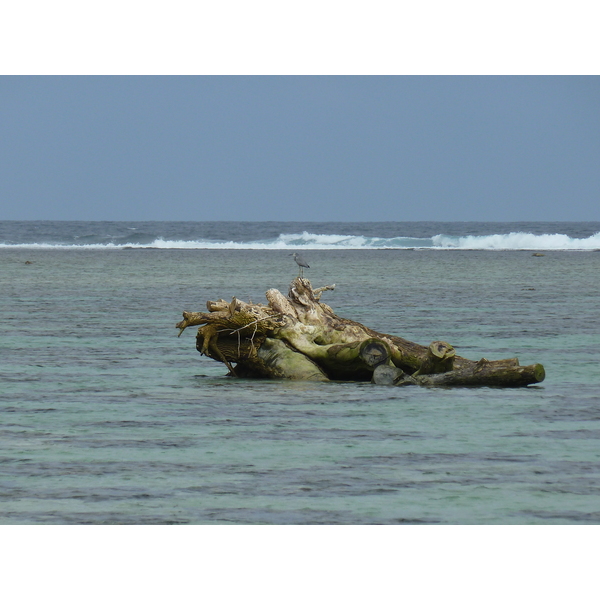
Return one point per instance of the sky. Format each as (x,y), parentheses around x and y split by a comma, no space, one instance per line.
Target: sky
(300,148)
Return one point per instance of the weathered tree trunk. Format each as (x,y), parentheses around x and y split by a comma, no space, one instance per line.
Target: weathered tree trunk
(300,337)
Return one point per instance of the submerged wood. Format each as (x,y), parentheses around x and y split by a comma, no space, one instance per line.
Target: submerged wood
(299,337)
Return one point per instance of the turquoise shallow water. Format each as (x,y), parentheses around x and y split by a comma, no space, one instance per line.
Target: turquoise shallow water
(107,417)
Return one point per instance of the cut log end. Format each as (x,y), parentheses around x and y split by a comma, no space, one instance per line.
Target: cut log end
(374,352)
(539,373)
(441,350)
(439,359)
(387,375)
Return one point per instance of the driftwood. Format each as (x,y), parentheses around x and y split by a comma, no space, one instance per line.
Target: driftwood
(299,337)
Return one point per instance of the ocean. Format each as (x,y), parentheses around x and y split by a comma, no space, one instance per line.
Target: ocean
(107,417)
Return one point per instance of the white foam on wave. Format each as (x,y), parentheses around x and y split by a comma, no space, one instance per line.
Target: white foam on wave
(315,241)
(285,241)
(517,241)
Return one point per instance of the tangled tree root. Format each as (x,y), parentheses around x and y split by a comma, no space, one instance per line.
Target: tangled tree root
(299,337)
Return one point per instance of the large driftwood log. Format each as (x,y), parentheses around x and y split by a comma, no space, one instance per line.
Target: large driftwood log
(299,337)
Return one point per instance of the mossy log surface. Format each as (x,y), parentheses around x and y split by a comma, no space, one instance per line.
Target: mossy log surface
(299,337)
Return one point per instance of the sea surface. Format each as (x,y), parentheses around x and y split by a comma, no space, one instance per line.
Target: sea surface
(107,417)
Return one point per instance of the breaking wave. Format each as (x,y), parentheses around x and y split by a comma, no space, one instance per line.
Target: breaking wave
(518,241)
(315,241)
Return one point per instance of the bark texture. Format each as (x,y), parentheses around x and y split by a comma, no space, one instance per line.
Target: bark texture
(299,337)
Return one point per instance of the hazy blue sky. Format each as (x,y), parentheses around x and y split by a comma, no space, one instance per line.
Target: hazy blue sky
(300,148)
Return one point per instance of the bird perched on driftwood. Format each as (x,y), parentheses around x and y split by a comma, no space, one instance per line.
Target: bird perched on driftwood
(300,262)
